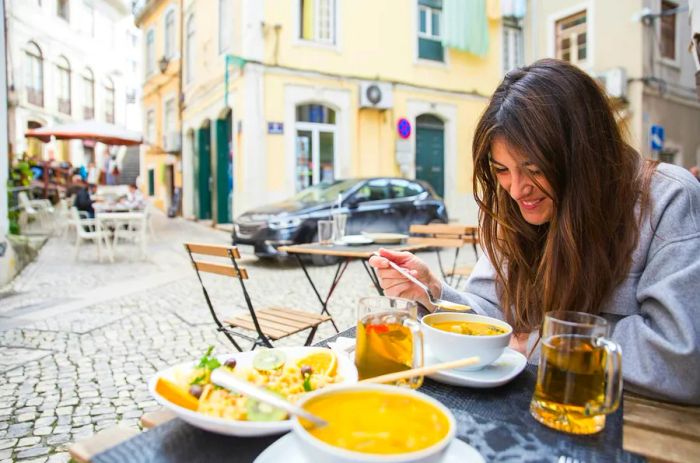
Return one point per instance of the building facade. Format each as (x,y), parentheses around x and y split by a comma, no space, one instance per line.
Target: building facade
(639,50)
(278,96)
(70,61)
(161,24)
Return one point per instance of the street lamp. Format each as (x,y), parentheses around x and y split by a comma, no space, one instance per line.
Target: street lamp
(163,64)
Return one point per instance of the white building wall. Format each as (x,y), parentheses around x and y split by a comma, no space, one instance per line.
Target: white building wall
(100,39)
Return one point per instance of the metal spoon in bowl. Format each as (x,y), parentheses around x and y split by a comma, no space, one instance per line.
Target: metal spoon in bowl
(222,378)
(439,303)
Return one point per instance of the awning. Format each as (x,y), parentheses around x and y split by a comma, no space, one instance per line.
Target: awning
(103,132)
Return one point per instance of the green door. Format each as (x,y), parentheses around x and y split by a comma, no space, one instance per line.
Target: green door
(224,170)
(204,172)
(430,152)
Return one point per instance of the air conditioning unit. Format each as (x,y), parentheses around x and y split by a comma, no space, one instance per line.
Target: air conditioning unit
(377,95)
(172,142)
(615,82)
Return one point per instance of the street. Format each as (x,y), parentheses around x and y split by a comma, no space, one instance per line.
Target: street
(80,339)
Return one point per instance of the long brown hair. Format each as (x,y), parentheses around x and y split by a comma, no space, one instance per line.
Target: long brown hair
(555,116)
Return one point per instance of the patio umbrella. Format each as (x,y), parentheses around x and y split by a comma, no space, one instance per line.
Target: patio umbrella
(103,132)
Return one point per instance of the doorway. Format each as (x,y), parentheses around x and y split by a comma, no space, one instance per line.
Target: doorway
(224,169)
(315,145)
(203,171)
(430,152)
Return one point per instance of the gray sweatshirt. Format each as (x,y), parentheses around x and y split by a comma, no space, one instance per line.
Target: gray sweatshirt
(655,313)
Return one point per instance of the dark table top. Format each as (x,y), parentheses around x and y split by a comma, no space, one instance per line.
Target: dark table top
(495,421)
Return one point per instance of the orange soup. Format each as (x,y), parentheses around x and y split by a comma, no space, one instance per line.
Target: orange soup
(377,422)
(469,328)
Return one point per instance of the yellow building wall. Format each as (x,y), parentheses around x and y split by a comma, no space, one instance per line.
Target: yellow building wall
(157,88)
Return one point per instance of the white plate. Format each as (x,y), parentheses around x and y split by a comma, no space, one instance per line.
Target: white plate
(346,369)
(354,240)
(288,449)
(385,238)
(505,368)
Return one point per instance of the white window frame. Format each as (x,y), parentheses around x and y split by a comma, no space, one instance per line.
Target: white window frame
(316,128)
(189,51)
(224,19)
(151,61)
(150,137)
(165,129)
(335,7)
(589,8)
(676,62)
(428,34)
(514,39)
(170,39)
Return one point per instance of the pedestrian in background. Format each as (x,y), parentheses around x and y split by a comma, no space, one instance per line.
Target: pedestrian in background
(695,170)
(573,218)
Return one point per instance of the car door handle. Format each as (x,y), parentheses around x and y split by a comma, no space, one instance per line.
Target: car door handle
(388,210)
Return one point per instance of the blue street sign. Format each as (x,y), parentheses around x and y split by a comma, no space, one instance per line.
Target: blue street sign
(404,128)
(275,128)
(657,137)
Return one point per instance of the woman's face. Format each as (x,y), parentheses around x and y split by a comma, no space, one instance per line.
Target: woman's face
(513,173)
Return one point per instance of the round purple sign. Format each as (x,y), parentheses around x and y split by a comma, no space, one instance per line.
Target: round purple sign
(404,128)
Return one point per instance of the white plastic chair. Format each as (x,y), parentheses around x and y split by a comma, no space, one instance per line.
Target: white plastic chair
(40,209)
(87,229)
(132,228)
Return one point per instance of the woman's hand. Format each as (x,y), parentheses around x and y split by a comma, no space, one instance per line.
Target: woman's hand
(397,285)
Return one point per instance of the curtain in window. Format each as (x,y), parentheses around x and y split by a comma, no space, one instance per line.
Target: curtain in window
(466,26)
(307,21)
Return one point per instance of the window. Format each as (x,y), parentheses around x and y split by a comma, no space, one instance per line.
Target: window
(405,189)
(151,127)
(189,49)
(151,182)
(109,100)
(317,21)
(150,52)
(512,44)
(88,94)
(170,34)
(315,145)
(89,13)
(668,30)
(63,84)
(374,190)
(169,119)
(62,9)
(35,75)
(430,30)
(225,22)
(571,38)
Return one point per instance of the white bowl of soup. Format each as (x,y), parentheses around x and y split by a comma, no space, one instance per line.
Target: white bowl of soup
(374,423)
(454,336)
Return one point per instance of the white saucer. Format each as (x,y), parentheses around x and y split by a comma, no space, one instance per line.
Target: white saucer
(505,368)
(354,240)
(287,449)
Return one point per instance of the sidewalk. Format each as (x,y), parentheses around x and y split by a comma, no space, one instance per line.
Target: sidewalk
(79,340)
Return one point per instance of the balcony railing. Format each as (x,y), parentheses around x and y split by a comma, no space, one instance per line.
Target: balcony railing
(63,106)
(88,112)
(35,97)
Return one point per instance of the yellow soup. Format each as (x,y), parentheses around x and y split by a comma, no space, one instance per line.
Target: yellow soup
(469,328)
(377,422)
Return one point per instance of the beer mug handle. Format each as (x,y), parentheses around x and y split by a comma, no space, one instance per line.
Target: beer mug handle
(613,373)
(417,360)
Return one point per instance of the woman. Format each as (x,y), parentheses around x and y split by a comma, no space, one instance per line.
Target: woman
(572,218)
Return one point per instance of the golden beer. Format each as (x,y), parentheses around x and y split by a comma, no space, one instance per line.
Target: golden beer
(578,380)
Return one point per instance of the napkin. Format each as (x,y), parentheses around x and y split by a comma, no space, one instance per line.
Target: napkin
(343,346)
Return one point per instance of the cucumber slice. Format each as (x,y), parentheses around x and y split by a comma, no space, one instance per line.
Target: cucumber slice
(269,360)
(260,411)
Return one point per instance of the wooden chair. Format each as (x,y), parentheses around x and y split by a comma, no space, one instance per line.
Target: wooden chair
(270,324)
(441,236)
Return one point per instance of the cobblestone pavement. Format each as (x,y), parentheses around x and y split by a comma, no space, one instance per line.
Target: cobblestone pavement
(80,339)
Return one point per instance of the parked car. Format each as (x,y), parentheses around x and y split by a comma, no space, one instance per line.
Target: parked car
(383,204)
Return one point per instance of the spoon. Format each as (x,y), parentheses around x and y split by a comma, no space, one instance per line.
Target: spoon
(423,371)
(440,303)
(231,382)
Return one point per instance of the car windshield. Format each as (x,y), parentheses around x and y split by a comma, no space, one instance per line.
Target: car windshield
(324,192)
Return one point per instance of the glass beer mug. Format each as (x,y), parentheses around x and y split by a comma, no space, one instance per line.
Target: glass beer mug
(388,338)
(579,379)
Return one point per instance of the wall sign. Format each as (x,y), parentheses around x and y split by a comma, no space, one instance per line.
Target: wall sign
(275,128)
(403,127)
(657,137)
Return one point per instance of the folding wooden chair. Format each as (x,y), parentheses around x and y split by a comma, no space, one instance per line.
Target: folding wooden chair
(439,236)
(270,324)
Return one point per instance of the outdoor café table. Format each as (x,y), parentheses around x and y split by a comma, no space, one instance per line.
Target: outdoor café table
(346,253)
(496,422)
(116,220)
